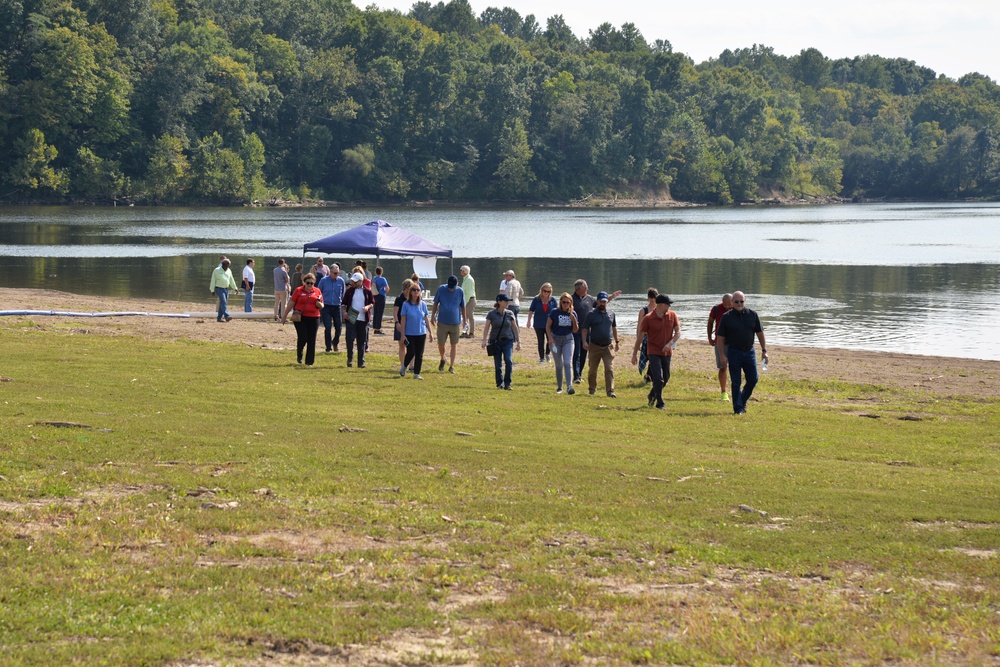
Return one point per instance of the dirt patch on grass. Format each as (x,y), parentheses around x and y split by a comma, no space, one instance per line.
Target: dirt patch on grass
(934,375)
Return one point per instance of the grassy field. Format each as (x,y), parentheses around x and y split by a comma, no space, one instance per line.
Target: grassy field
(227,507)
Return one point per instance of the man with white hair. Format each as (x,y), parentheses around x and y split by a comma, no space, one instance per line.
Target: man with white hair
(468,286)
(511,286)
(735,336)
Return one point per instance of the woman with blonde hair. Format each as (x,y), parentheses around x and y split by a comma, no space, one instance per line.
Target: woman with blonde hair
(562,323)
(397,334)
(538,315)
(415,322)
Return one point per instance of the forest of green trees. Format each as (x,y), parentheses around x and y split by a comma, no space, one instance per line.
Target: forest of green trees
(230,101)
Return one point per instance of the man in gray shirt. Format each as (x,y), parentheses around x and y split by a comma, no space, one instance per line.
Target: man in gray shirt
(281,289)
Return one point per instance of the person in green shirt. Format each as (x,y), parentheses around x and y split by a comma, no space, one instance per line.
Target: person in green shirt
(222,282)
(469,288)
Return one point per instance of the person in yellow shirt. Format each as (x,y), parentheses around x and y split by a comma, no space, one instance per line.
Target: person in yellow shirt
(222,282)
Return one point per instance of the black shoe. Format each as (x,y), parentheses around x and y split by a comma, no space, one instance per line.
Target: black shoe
(661,406)
(651,399)
(350,363)
(593,391)
(508,387)
(361,365)
(228,317)
(612,395)
(441,366)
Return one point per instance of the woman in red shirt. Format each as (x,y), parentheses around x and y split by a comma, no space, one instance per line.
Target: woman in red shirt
(306,300)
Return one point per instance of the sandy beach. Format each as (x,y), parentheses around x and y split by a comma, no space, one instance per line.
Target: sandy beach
(940,376)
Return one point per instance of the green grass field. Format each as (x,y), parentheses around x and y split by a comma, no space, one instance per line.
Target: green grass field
(228,507)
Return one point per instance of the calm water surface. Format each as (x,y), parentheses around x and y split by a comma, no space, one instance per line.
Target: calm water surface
(915,278)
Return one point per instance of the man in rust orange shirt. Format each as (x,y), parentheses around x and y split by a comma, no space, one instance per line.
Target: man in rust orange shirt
(662,329)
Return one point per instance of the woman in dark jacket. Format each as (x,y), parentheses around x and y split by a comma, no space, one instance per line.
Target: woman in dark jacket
(307,300)
(358,303)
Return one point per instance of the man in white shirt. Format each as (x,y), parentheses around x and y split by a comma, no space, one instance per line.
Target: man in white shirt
(248,280)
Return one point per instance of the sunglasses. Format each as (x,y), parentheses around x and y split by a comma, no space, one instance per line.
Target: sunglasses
(310,282)
(737,300)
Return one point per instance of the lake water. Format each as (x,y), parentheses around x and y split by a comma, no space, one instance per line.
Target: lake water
(913,278)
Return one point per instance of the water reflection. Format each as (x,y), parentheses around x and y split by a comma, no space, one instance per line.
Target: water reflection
(933,309)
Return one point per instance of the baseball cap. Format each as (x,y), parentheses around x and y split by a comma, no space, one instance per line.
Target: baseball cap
(357,278)
(452,281)
(602,296)
(503,297)
(663,298)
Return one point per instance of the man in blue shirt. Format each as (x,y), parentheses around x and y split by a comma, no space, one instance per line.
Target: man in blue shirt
(333,287)
(449,313)
(734,340)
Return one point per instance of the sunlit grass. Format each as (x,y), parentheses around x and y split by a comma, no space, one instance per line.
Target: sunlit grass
(226,503)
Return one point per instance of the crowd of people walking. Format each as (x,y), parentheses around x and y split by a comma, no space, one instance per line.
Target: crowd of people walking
(576,331)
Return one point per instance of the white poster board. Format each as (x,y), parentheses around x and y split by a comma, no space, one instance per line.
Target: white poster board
(425,267)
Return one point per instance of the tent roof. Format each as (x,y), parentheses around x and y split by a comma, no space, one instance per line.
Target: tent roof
(377,237)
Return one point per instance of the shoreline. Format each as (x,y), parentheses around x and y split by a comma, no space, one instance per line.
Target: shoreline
(938,376)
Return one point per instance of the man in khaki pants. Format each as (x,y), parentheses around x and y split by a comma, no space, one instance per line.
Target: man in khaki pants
(468,286)
(603,332)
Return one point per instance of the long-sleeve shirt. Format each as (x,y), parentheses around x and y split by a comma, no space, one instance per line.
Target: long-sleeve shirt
(222,278)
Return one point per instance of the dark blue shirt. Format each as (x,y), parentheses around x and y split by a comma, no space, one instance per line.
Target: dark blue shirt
(738,328)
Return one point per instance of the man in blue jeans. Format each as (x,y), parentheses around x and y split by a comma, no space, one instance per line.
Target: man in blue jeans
(222,282)
(333,287)
(734,341)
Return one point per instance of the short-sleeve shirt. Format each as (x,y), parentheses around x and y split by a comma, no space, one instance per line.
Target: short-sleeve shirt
(738,328)
(249,278)
(280,279)
(415,314)
(501,326)
(381,284)
(600,326)
(398,303)
(659,331)
(562,322)
(583,305)
(718,310)
(451,304)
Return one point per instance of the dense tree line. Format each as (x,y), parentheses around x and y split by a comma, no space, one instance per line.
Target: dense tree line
(227,101)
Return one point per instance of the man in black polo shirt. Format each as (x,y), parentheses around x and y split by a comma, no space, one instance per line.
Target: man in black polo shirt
(734,341)
(598,332)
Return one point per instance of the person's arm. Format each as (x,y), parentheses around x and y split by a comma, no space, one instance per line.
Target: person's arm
(232,283)
(614,295)
(677,333)
(369,301)
(763,345)
(638,343)
(517,332)
(614,332)
(434,312)
(548,332)
(402,325)
(486,331)
(576,321)
(638,322)
(211,284)
(583,337)
(711,321)
(430,332)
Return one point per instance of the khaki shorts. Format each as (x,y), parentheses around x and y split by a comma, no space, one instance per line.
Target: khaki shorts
(445,330)
(719,358)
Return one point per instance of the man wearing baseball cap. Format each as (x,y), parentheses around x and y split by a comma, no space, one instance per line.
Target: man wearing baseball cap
(598,332)
(358,303)
(449,314)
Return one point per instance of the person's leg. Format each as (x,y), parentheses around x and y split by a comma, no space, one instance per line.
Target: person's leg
(327,326)
(338,325)
(543,347)
(362,336)
(578,355)
(222,294)
(561,365)
(609,371)
(498,364)
(735,358)
(508,362)
(656,363)
(750,370)
(300,340)
(441,336)
(470,316)
(411,349)
(379,312)
(310,326)
(593,360)
(419,342)
(350,333)
(454,351)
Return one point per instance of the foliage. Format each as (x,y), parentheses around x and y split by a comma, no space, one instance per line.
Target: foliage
(441,103)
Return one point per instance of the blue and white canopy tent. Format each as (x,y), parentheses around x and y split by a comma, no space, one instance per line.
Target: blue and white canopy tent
(380,238)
